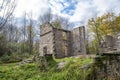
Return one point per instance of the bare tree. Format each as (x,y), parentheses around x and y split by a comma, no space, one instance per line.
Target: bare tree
(46,17)
(30,33)
(7,7)
(56,20)
(61,22)
(24,31)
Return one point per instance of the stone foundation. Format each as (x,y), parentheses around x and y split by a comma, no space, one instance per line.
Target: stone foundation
(105,67)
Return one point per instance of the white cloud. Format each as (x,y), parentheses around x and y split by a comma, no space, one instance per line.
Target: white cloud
(104,6)
(37,7)
(82,11)
(57,7)
(85,9)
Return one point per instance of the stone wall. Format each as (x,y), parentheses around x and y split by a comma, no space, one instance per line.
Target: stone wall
(111,43)
(82,40)
(46,28)
(78,41)
(118,42)
(61,40)
(46,40)
(106,67)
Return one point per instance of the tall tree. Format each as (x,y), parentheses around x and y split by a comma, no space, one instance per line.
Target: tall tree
(30,33)
(107,24)
(45,18)
(60,22)
(6,9)
(24,32)
(116,24)
(55,20)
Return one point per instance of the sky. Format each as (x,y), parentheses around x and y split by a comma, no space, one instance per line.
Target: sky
(77,11)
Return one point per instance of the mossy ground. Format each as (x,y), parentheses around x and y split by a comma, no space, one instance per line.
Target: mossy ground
(73,70)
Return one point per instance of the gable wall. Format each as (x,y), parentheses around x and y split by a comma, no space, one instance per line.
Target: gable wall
(78,41)
(46,39)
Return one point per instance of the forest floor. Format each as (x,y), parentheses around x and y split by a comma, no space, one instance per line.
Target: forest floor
(72,68)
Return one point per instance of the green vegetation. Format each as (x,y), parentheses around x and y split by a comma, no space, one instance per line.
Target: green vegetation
(72,70)
(99,27)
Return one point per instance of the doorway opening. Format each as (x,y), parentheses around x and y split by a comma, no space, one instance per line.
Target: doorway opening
(45,50)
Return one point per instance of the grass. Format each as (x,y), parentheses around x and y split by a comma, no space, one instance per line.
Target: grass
(73,70)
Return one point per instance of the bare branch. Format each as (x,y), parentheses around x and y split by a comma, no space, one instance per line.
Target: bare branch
(8,7)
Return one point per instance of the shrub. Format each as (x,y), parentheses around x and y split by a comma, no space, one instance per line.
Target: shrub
(5,58)
(14,57)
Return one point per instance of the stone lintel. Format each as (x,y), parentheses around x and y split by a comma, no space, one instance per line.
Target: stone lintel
(111,53)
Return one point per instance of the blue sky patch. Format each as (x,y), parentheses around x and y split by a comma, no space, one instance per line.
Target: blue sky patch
(71,6)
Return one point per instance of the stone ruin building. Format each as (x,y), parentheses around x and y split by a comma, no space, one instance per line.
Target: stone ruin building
(60,42)
(111,43)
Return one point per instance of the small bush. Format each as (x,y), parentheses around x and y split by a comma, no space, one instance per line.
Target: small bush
(14,57)
(5,58)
